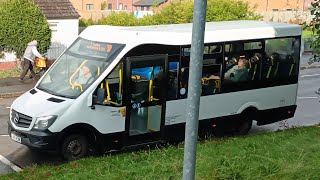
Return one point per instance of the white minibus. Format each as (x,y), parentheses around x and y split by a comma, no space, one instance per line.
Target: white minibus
(121,87)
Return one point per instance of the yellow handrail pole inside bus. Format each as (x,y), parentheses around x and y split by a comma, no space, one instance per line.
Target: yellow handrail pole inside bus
(150,99)
(120,83)
(108,91)
(151,90)
(70,79)
(108,95)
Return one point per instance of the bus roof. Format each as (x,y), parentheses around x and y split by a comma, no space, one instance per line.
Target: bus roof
(180,34)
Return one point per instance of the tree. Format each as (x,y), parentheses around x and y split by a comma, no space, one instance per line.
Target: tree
(22,21)
(315,27)
(103,5)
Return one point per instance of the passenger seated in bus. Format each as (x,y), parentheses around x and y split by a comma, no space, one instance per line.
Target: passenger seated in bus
(239,72)
(86,75)
(172,85)
(231,62)
(157,84)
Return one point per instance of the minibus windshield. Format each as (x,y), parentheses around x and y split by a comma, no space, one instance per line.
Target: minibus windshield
(78,67)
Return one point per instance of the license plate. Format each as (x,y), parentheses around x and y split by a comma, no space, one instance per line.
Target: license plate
(16,138)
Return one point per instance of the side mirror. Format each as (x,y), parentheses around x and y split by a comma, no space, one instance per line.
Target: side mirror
(101,94)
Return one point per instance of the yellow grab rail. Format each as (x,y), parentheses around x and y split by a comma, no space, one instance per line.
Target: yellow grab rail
(70,79)
(121,80)
(108,100)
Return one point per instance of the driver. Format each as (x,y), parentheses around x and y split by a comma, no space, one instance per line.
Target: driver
(86,75)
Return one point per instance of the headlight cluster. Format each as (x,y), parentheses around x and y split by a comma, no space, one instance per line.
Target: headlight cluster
(44,122)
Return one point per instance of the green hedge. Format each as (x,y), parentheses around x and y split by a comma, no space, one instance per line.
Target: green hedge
(22,21)
(314,40)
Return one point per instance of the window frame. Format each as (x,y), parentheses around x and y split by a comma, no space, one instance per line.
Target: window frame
(89,7)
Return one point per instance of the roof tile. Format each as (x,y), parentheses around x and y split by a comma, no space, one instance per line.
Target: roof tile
(61,9)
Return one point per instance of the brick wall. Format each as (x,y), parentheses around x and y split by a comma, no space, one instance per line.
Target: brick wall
(97,13)
(82,7)
(280,5)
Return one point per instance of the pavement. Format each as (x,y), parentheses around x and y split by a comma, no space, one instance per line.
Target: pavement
(12,87)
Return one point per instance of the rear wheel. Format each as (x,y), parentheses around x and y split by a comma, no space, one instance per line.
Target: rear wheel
(74,147)
(244,125)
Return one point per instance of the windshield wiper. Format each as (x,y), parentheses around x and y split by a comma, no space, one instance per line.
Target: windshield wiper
(69,97)
(46,90)
(54,93)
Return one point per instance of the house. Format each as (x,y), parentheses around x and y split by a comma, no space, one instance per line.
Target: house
(121,5)
(144,7)
(291,11)
(90,9)
(63,20)
(97,9)
(280,5)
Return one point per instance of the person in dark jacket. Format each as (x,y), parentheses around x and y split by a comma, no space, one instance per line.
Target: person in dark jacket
(29,57)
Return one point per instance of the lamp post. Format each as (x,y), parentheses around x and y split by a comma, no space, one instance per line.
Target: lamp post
(193,101)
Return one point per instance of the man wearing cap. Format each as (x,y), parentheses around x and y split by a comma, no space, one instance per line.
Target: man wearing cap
(29,57)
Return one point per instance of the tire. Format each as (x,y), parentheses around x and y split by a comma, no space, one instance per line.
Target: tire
(244,126)
(74,147)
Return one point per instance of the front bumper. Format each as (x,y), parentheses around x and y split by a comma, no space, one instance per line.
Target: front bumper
(35,139)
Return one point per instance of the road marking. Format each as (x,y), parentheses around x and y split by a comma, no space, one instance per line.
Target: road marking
(310,75)
(7,162)
(8,107)
(307,97)
(4,135)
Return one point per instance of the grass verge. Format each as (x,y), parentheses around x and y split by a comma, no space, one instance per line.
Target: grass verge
(289,154)
(9,73)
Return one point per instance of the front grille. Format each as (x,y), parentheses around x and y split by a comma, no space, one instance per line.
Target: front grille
(20,120)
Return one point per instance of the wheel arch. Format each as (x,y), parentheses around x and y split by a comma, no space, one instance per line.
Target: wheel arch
(253,106)
(80,128)
(250,109)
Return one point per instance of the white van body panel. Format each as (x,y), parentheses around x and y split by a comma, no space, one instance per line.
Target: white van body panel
(37,105)
(104,119)
(233,103)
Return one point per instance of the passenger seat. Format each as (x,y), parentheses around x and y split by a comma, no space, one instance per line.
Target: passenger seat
(254,66)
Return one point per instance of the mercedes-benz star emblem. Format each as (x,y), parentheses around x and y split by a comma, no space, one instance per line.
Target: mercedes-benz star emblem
(16,118)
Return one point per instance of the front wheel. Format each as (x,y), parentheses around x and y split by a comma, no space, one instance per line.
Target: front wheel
(74,147)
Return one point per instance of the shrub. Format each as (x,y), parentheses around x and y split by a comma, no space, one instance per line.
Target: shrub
(22,21)
(85,23)
(119,19)
(315,27)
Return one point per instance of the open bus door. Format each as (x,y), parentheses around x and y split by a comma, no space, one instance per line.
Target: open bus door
(146,102)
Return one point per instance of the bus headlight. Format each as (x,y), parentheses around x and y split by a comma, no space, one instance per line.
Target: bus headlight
(44,122)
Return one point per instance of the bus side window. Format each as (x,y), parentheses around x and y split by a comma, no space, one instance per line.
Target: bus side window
(183,84)
(282,58)
(243,61)
(113,85)
(173,80)
(211,79)
(211,71)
